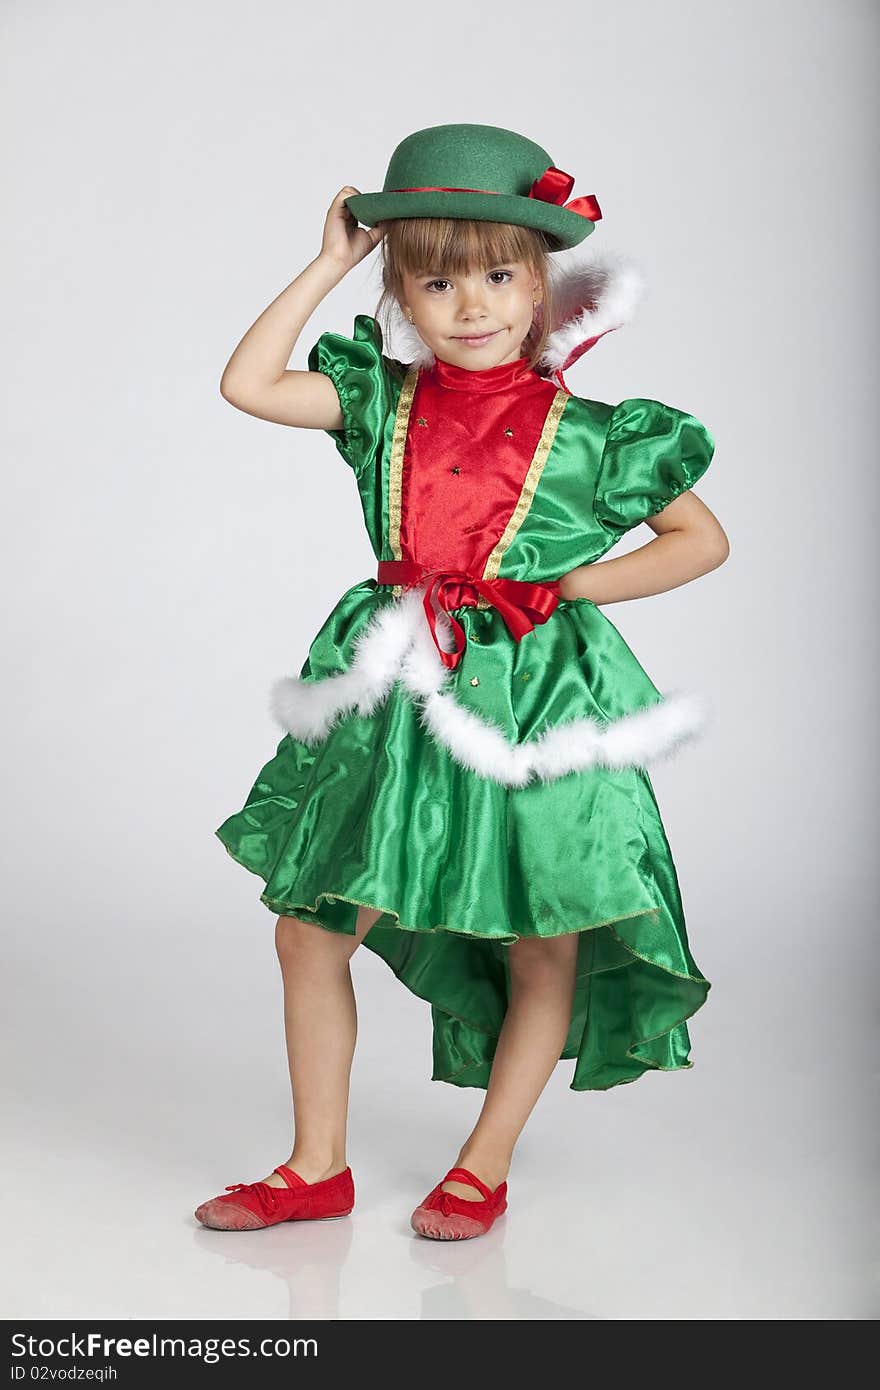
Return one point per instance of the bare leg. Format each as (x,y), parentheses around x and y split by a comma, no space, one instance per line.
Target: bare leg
(320,1024)
(542,977)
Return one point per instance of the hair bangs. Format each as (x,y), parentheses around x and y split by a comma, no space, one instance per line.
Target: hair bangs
(424,245)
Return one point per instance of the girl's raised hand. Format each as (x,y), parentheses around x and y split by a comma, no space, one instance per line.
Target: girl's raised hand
(345,242)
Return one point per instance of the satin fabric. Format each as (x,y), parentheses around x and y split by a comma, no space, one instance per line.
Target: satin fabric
(521,605)
(380,815)
(609,469)
(466,458)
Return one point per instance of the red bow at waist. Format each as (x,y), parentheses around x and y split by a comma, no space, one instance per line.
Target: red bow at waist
(520,604)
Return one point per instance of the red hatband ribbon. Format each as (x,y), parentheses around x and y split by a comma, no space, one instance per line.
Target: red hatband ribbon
(553,186)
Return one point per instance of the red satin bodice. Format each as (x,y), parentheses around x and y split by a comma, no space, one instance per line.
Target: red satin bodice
(471,438)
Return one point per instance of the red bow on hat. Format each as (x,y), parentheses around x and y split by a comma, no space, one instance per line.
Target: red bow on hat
(554,186)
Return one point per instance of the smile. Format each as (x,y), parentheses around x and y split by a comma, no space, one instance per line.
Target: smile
(479,340)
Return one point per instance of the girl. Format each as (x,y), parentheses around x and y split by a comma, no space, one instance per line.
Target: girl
(462,782)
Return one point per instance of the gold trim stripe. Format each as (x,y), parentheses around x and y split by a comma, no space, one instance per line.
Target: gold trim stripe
(395,465)
(532,478)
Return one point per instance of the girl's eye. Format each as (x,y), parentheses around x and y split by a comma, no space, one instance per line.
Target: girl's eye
(508,273)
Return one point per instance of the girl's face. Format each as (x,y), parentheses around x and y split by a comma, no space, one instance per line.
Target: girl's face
(474,320)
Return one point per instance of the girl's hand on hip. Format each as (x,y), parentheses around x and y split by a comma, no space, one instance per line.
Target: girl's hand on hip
(345,242)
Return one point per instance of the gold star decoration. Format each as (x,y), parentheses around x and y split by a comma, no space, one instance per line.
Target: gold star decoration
(421,420)
(508,431)
(456,470)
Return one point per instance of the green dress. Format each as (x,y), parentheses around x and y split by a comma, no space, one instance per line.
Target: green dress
(507,797)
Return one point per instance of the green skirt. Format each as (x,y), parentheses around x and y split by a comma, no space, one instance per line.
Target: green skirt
(380,815)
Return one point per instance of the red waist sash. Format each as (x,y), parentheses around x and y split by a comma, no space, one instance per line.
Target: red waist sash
(520,604)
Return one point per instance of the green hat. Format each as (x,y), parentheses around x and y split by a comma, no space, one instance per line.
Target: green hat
(483,172)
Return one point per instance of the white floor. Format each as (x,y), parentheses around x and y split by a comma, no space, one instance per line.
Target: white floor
(729,1191)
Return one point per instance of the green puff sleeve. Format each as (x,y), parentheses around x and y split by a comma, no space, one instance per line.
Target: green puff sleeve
(360,374)
(652,453)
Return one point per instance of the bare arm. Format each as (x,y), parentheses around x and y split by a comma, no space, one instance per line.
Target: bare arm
(256,378)
(689,541)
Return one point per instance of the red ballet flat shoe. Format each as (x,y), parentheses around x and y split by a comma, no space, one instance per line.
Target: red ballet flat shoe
(251,1205)
(446,1216)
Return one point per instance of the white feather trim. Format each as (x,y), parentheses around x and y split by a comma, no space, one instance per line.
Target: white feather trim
(397,645)
(592,299)
(308,708)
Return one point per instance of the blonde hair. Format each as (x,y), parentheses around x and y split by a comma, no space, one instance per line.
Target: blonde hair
(415,245)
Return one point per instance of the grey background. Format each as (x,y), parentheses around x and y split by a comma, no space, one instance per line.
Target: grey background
(166,557)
